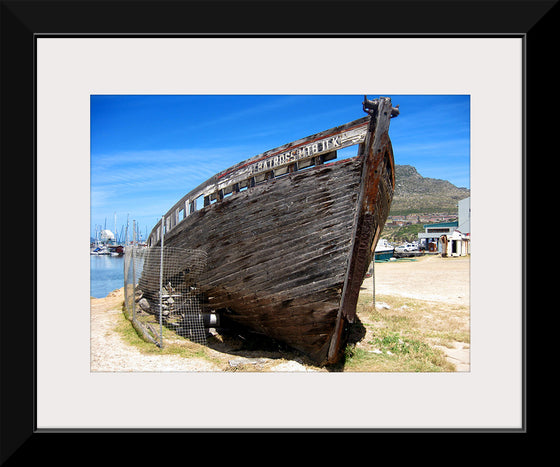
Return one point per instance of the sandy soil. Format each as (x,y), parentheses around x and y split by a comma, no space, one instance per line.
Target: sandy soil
(429,278)
(110,353)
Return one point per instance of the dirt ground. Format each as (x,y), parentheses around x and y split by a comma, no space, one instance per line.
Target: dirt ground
(431,278)
(109,352)
(428,278)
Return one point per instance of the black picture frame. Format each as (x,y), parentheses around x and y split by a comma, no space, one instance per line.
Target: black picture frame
(22,22)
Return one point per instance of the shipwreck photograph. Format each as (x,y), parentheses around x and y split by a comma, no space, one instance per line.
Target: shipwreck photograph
(258,230)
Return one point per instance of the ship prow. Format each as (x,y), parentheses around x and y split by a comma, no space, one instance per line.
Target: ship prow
(289,234)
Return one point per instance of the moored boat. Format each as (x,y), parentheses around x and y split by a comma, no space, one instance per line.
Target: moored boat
(383,250)
(116,250)
(100,250)
(289,234)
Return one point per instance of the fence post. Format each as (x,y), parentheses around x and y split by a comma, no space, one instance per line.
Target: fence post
(134,270)
(373,279)
(125,273)
(161,284)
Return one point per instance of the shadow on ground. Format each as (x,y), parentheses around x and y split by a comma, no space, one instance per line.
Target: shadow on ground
(240,342)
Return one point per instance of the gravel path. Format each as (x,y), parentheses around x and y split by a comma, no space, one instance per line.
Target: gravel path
(110,353)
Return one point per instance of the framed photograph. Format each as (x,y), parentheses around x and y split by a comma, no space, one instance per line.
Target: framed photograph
(57,56)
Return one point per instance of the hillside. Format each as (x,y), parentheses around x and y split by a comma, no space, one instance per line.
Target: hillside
(417,194)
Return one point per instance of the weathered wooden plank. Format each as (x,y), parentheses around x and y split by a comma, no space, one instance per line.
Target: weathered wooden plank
(313,218)
(252,219)
(290,289)
(296,245)
(285,197)
(320,144)
(256,220)
(247,272)
(312,146)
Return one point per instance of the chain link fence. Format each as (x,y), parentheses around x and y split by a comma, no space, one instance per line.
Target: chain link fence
(162,292)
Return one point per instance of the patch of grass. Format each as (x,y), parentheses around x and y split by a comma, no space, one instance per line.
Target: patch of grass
(403,233)
(389,352)
(173,344)
(401,335)
(434,320)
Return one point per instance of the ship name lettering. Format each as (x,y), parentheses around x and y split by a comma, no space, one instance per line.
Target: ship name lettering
(294,155)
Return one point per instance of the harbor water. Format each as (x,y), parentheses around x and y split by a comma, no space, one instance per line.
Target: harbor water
(106,274)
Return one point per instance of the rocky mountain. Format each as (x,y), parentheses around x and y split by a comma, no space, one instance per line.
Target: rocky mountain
(417,194)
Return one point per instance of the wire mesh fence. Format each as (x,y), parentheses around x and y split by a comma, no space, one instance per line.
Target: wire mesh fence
(162,289)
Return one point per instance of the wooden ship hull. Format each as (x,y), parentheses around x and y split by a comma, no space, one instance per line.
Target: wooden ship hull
(289,234)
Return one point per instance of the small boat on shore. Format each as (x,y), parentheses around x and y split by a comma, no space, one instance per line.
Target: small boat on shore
(289,234)
(384,250)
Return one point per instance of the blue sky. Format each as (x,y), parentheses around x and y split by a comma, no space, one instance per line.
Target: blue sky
(149,151)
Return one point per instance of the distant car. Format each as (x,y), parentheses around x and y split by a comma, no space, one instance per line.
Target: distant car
(406,247)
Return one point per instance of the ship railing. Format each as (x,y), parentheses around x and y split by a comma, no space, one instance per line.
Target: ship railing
(296,156)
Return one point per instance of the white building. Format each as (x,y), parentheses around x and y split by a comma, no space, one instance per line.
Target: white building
(430,238)
(449,238)
(456,244)
(464,216)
